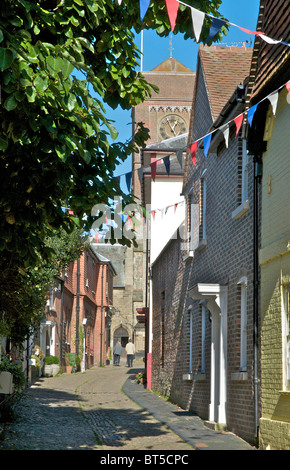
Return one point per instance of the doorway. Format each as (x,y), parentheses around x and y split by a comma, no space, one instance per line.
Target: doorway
(122,335)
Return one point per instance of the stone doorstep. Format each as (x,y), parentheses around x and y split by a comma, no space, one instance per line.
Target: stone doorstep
(215,426)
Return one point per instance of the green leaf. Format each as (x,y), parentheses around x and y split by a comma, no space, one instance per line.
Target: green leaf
(6,58)
(10,103)
(67,68)
(70,101)
(41,83)
(3,144)
(54,64)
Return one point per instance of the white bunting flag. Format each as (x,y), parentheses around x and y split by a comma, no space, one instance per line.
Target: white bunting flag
(197,22)
(268,40)
(226,131)
(273,98)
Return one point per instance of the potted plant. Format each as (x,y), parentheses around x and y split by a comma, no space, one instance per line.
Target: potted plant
(51,366)
(55,366)
(69,362)
(141,378)
(12,377)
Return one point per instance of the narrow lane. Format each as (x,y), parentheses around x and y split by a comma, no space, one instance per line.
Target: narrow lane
(86,412)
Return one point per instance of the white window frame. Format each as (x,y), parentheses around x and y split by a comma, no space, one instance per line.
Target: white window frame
(203,316)
(242,283)
(286,337)
(190,310)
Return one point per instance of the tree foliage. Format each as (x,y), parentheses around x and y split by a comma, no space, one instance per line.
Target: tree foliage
(54,133)
(60,60)
(24,292)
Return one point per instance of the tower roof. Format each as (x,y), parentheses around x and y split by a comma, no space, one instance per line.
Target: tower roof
(171,65)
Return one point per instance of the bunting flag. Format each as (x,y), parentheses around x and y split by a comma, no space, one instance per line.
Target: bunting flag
(197,22)
(214,28)
(153,214)
(193,149)
(144,4)
(206,142)
(153,170)
(247,30)
(226,132)
(140,174)
(273,98)
(166,161)
(238,122)
(218,22)
(179,155)
(172,9)
(129,180)
(175,207)
(119,2)
(251,113)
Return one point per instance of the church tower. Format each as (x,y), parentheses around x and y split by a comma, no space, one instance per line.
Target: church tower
(167,113)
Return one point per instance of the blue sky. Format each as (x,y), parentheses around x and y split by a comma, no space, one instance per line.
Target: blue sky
(155,50)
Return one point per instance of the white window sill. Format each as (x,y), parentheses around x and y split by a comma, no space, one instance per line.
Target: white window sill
(241,210)
(188,256)
(240,376)
(187,377)
(199,377)
(202,244)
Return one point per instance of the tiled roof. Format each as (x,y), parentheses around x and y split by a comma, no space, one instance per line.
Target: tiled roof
(271,62)
(224,68)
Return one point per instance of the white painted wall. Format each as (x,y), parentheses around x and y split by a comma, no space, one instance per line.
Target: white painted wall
(165,192)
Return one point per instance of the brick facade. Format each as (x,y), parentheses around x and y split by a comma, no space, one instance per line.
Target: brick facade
(90,300)
(223,261)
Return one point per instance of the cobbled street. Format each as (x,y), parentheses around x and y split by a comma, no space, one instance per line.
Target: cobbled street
(104,409)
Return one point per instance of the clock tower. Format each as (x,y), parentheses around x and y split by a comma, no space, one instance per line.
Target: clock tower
(166,114)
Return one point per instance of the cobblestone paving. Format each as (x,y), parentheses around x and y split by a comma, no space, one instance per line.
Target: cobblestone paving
(86,412)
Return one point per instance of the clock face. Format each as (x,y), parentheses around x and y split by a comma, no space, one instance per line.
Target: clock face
(171,126)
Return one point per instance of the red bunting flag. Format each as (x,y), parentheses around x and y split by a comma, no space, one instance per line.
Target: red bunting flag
(153,214)
(288,86)
(238,121)
(247,30)
(193,149)
(153,170)
(175,207)
(172,9)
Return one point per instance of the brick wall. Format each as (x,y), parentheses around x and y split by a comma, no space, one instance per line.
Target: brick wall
(227,257)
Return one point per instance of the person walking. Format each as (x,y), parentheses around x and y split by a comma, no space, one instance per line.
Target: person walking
(117,353)
(130,350)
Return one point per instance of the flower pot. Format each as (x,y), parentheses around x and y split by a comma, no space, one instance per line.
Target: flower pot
(69,369)
(6,383)
(55,369)
(47,370)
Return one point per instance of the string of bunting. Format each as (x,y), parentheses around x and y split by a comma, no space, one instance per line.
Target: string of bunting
(238,120)
(198,18)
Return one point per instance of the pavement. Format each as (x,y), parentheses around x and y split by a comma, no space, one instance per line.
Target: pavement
(104,409)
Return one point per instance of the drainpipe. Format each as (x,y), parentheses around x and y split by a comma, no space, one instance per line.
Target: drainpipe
(61,318)
(78,306)
(257,160)
(102,308)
